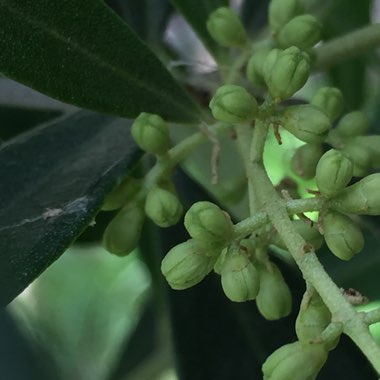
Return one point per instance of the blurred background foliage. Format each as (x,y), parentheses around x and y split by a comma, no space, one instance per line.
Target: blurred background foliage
(93,316)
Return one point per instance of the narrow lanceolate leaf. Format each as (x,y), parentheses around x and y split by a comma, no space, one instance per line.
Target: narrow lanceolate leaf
(196,13)
(82,53)
(53,182)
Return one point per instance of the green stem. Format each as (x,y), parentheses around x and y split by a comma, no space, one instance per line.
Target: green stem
(234,72)
(372,317)
(312,270)
(347,46)
(165,165)
(259,219)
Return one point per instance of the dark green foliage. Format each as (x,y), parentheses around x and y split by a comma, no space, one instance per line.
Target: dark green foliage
(83,54)
(54,181)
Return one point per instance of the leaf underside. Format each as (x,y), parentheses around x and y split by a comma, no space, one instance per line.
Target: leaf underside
(54,181)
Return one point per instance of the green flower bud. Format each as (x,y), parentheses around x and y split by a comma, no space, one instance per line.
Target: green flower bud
(360,158)
(334,172)
(329,100)
(302,31)
(240,279)
(282,11)
(362,198)
(123,232)
(255,66)
(343,236)
(123,193)
(218,266)
(305,160)
(312,319)
(151,133)
(226,28)
(233,104)
(163,207)
(274,299)
(206,222)
(278,356)
(353,124)
(371,144)
(309,233)
(287,74)
(308,123)
(297,363)
(188,263)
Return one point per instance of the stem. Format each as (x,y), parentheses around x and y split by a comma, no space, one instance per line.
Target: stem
(348,46)
(372,317)
(312,270)
(234,73)
(259,219)
(165,165)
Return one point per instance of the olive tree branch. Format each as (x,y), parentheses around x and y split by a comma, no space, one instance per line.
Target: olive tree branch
(347,46)
(372,317)
(313,272)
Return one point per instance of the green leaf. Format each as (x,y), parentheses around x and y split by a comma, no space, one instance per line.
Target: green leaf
(84,54)
(148,18)
(53,183)
(15,120)
(196,13)
(350,75)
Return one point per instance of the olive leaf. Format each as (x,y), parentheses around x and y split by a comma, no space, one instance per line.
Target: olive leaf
(82,53)
(54,180)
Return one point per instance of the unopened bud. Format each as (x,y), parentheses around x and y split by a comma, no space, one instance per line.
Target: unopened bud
(307,122)
(359,156)
(226,28)
(163,207)
(123,193)
(233,104)
(296,361)
(305,160)
(287,72)
(334,172)
(187,264)
(151,133)
(282,11)
(123,232)
(255,66)
(205,221)
(240,279)
(354,123)
(342,235)
(362,198)
(303,31)
(274,299)
(371,144)
(329,100)
(313,318)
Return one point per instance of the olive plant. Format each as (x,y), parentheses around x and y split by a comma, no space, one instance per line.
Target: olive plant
(254,96)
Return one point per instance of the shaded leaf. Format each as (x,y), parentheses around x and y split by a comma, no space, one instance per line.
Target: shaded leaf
(254,15)
(53,182)
(196,13)
(350,75)
(15,120)
(148,18)
(83,54)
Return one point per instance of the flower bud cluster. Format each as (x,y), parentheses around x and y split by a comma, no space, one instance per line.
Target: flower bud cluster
(188,263)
